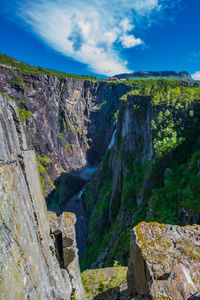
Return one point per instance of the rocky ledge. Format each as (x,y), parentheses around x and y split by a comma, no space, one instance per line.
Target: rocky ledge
(164,261)
(63,233)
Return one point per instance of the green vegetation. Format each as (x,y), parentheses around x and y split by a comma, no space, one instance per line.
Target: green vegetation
(76,117)
(100,280)
(180,188)
(5,95)
(25,69)
(43,166)
(101,235)
(115,116)
(24,114)
(19,81)
(163,91)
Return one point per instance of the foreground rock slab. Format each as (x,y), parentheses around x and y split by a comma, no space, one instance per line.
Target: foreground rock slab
(164,261)
(28,268)
(63,230)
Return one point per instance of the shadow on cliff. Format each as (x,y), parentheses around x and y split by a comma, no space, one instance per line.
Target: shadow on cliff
(66,186)
(67,197)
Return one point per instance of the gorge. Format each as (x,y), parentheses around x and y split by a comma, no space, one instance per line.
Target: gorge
(114,153)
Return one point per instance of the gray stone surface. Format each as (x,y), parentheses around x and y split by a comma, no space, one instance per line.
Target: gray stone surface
(71,121)
(164,261)
(28,265)
(66,248)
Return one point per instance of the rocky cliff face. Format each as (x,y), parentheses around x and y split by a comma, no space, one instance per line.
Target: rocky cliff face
(112,196)
(67,122)
(29,267)
(144,176)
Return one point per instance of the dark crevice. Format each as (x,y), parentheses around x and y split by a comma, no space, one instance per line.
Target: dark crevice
(164,276)
(59,247)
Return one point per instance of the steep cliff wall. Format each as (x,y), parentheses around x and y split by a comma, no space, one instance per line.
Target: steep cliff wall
(111,198)
(29,267)
(151,172)
(68,122)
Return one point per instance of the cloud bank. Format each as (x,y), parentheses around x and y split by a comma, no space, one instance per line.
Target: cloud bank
(196,76)
(93,32)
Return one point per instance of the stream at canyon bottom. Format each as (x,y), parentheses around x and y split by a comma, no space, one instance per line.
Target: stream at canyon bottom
(75,205)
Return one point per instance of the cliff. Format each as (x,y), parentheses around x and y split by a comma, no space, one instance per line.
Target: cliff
(151,171)
(29,267)
(67,121)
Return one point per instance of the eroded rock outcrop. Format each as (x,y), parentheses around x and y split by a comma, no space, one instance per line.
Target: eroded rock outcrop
(28,267)
(63,229)
(164,261)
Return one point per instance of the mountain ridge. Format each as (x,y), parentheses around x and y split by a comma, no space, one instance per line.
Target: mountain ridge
(156,74)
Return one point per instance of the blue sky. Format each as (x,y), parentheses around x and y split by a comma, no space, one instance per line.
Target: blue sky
(103,37)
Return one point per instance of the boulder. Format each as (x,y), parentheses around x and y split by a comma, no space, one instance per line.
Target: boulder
(164,261)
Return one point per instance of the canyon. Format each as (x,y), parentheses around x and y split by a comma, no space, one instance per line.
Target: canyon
(112,153)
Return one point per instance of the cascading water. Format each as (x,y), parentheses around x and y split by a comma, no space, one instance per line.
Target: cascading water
(112,139)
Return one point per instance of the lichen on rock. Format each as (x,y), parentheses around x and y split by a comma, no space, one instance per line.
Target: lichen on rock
(164,261)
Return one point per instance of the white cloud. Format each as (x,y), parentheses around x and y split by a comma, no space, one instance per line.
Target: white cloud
(196,76)
(91,31)
(129,41)
(126,25)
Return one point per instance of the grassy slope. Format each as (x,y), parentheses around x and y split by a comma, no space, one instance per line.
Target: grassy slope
(26,69)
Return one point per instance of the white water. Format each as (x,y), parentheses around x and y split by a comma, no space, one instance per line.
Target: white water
(87,173)
(112,139)
(80,194)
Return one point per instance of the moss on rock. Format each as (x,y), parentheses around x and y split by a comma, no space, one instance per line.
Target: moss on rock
(99,280)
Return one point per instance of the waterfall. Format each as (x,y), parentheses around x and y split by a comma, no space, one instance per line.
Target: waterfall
(112,139)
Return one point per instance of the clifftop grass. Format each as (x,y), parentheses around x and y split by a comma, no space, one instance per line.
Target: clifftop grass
(25,69)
